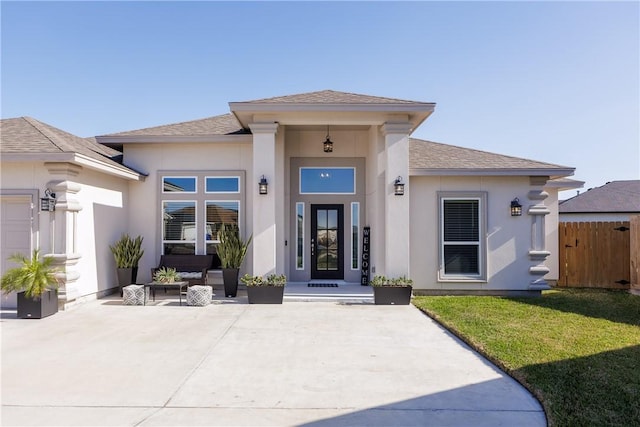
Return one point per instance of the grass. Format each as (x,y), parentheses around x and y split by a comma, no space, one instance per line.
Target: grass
(578,351)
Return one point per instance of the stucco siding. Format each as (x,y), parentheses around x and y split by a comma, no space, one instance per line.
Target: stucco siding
(144,205)
(102,217)
(508,238)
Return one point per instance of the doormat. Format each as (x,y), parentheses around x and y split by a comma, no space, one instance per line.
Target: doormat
(322,285)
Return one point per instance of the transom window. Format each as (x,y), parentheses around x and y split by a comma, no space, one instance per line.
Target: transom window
(179,184)
(318,180)
(222,184)
(462,248)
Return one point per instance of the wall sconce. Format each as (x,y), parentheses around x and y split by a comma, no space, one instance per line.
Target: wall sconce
(516,207)
(262,185)
(328,145)
(398,186)
(48,202)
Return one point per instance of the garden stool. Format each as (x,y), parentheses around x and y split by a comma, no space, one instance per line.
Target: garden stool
(199,295)
(133,295)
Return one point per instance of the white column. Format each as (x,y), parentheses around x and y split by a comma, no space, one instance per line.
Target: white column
(264,205)
(396,209)
(64,246)
(538,251)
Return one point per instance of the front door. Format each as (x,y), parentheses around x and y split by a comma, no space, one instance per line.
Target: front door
(327,235)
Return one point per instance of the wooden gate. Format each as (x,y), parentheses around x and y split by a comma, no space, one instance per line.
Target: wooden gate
(595,254)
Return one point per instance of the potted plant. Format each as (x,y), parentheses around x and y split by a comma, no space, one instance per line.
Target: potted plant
(127,252)
(392,291)
(34,280)
(265,290)
(231,251)
(167,275)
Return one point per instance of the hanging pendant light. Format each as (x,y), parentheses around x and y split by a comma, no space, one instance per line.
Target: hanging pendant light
(328,145)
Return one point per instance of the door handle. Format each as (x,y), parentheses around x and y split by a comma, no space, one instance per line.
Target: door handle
(313,247)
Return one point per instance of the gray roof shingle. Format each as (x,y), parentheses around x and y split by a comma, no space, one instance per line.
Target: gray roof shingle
(330,97)
(225,124)
(614,196)
(433,155)
(25,135)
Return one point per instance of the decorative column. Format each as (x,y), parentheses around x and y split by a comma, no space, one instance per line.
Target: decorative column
(538,252)
(264,205)
(64,244)
(396,208)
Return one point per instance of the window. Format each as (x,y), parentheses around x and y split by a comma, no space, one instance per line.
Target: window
(179,227)
(355,234)
(300,236)
(222,184)
(194,205)
(327,180)
(462,249)
(219,212)
(179,184)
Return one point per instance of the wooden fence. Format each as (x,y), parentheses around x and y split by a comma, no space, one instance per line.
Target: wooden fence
(599,254)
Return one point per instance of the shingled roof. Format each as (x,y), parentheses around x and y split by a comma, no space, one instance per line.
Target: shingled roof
(26,135)
(614,196)
(330,97)
(437,158)
(225,124)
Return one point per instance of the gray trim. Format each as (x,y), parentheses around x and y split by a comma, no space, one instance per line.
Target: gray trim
(480,292)
(308,199)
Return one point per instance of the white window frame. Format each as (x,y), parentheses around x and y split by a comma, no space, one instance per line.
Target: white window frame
(208,242)
(181,177)
(481,198)
(222,192)
(200,197)
(162,232)
(300,205)
(355,221)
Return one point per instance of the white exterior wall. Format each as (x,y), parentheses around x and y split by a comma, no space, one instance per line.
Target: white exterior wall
(145,217)
(508,238)
(103,199)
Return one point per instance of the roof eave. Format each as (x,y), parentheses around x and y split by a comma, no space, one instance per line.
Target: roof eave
(78,159)
(244,111)
(552,173)
(171,139)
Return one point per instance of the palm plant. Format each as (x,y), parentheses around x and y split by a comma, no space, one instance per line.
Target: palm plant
(33,276)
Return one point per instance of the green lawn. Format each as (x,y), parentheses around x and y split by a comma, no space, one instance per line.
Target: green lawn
(578,351)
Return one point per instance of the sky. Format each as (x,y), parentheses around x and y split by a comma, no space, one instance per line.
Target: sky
(557,82)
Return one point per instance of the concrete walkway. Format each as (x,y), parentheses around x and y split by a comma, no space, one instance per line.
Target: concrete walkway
(233,364)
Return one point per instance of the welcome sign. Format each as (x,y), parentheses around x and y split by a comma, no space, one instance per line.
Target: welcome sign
(366,241)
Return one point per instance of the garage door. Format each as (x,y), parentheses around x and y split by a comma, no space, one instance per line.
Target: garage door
(15,234)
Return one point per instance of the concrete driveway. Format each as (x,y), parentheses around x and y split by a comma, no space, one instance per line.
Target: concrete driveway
(232,364)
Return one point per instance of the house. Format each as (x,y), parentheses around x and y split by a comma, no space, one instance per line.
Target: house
(313,177)
(614,201)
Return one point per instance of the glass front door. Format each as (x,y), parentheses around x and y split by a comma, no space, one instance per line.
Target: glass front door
(327,236)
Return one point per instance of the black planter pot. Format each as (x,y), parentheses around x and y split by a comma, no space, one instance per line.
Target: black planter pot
(126,277)
(32,308)
(392,295)
(230,280)
(265,294)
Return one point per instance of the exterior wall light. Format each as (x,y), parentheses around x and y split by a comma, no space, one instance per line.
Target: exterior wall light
(328,145)
(262,185)
(48,202)
(398,186)
(516,207)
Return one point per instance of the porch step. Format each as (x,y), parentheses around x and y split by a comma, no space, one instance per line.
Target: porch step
(345,292)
